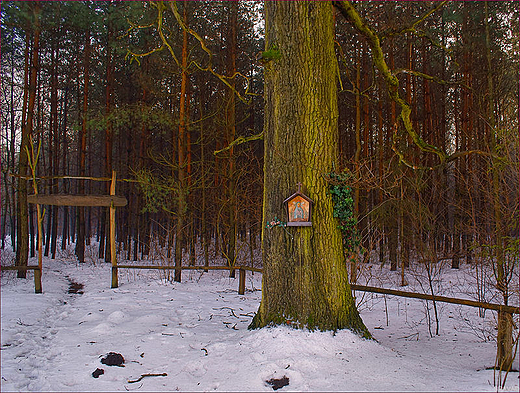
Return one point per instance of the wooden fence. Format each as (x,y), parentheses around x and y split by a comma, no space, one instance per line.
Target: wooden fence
(242,271)
(111,201)
(444,299)
(242,281)
(37,275)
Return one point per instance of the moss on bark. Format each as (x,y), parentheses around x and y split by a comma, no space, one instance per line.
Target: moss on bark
(305,281)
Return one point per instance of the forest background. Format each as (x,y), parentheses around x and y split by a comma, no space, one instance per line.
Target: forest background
(121,86)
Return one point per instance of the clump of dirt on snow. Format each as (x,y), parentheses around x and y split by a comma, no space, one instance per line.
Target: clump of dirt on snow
(113,359)
(278,383)
(75,288)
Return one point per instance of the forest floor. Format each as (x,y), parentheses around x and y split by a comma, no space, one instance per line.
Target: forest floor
(193,336)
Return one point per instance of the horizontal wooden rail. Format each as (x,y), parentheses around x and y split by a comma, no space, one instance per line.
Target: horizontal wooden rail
(465,302)
(37,274)
(70,178)
(161,267)
(241,269)
(60,177)
(19,267)
(77,200)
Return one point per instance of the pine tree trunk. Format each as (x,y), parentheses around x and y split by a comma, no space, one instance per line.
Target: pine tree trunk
(82,138)
(505,320)
(31,232)
(357,154)
(22,249)
(54,139)
(109,137)
(392,226)
(231,132)
(9,204)
(305,279)
(182,197)
(65,229)
(203,212)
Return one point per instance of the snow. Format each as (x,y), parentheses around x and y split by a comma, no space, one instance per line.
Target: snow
(196,332)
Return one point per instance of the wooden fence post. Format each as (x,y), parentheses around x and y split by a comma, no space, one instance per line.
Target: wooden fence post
(38,272)
(115,283)
(37,281)
(242,282)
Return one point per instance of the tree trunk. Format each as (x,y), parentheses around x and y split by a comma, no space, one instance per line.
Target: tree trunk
(9,204)
(231,132)
(182,197)
(22,245)
(54,140)
(505,320)
(203,212)
(80,210)
(109,137)
(31,232)
(65,229)
(305,279)
(392,226)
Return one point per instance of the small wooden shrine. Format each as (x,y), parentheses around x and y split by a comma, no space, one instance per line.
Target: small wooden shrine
(298,208)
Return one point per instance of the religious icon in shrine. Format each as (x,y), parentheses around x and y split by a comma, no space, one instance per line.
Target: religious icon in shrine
(298,208)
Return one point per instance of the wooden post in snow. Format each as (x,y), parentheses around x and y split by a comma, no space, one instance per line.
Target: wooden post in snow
(39,217)
(38,273)
(113,232)
(242,282)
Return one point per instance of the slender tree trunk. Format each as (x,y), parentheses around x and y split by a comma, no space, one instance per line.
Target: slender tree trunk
(10,199)
(189,179)
(364,197)
(357,155)
(22,250)
(305,279)
(203,217)
(109,137)
(231,132)
(54,129)
(392,227)
(15,230)
(381,155)
(181,147)
(505,320)
(31,232)
(48,232)
(82,137)
(65,232)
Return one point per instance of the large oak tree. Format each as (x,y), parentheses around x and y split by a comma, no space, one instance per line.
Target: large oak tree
(305,281)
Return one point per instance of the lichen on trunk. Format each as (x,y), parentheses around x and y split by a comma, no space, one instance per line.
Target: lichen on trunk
(305,280)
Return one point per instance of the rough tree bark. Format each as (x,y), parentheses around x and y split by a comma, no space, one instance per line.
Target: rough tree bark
(22,245)
(231,132)
(82,144)
(305,280)
(181,145)
(505,355)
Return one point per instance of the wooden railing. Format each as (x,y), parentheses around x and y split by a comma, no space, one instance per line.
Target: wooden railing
(444,299)
(111,201)
(37,275)
(242,271)
(242,281)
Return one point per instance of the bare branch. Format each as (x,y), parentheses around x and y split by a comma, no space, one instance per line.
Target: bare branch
(412,27)
(351,14)
(239,141)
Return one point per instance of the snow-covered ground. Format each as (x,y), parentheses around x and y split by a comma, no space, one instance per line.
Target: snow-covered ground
(195,334)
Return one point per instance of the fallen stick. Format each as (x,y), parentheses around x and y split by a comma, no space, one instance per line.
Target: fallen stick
(147,375)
